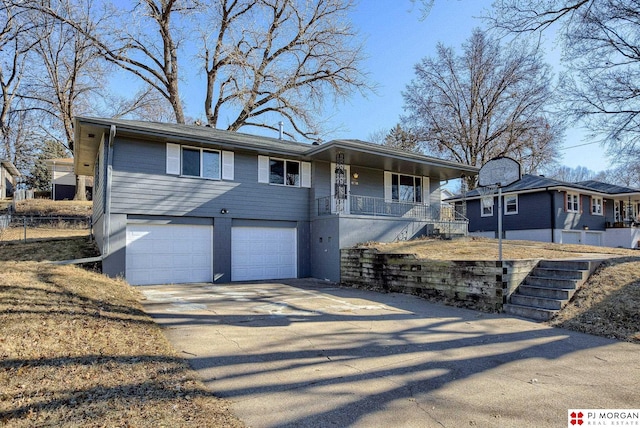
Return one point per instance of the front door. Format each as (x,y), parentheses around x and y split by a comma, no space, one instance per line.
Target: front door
(340,193)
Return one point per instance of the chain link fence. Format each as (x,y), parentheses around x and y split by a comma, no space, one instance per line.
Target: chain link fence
(32,228)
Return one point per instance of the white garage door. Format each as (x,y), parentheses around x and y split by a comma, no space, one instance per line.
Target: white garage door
(263,253)
(169,254)
(593,238)
(571,237)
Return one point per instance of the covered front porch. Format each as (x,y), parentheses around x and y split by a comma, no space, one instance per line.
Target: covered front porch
(622,222)
(418,219)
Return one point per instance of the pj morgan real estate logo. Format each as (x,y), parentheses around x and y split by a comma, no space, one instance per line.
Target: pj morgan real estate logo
(603,418)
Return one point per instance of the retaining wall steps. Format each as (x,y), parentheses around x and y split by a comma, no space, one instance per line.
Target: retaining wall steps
(548,288)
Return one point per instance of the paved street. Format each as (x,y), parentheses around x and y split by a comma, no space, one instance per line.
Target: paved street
(304,353)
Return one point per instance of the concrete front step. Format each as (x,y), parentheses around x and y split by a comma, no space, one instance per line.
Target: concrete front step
(548,288)
(538,302)
(560,273)
(530,312)
(567,264)
(546,292)
(562,283)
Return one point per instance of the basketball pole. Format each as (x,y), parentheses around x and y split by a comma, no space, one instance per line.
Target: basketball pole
(500,222)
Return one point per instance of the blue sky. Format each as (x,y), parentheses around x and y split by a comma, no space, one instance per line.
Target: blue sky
(395,40)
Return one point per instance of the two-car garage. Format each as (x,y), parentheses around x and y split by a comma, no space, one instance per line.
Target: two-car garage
(184,253)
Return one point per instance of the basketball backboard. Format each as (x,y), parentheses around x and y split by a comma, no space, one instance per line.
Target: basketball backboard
(500,171)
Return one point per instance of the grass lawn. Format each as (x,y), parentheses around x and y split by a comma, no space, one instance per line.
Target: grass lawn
(47,207)
(76,349)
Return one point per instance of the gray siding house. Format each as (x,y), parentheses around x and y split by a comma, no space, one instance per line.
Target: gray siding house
(542,209)
(186,203)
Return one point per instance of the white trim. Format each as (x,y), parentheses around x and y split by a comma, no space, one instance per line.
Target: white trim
(173,159)
(566,202)
(505,204)
(263,169)
(482,213)
(388,190)
(201,158)
(227,165)
(426,191)
(305,174)
(601,205)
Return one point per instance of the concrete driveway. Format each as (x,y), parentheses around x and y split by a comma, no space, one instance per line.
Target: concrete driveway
(304,353)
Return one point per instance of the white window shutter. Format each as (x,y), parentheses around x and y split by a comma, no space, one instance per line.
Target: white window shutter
(173,158)
(426,192)
(306,174)
(227,165)
(388,195)
(263,169)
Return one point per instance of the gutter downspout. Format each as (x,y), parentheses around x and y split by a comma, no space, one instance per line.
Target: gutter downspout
(107,192)
(553,214)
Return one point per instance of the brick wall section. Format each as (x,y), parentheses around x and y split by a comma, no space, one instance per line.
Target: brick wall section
(481,285)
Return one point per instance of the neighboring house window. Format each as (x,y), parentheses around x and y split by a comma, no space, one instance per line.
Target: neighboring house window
(199,162)
(573,202)
(284,172)
(511,204)
(406,188)
(486,208)
(596,206)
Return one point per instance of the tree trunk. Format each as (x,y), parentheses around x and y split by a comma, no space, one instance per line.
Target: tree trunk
(81,188)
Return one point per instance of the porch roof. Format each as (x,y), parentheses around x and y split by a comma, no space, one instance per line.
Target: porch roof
(369,155)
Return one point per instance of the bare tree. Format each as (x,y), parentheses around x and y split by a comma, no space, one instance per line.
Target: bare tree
(574,175)
(272,59)
(489,101)
(69,72)
(14,51)
(147,46)
(600,50)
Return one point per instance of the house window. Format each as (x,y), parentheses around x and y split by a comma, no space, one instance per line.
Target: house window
(573,202)
(406,188)
(200,163)
(511,204)
(486,207)
(286,173)
(596,206)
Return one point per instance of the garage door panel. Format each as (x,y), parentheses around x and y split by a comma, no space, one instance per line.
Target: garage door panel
(160,254)
(263,253)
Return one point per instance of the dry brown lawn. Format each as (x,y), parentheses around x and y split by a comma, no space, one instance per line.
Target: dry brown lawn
(487,249)
(76,349)
(47,207)
(607,305)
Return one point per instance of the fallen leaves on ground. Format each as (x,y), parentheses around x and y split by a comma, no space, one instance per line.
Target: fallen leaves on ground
(77,350)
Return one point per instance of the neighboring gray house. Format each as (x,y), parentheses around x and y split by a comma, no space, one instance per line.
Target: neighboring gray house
(543,209)
(185,203)
(8,178)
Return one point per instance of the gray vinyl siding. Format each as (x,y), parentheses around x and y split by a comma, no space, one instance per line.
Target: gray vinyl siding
(370,182)
(580,220)
(99,180)
(141,186)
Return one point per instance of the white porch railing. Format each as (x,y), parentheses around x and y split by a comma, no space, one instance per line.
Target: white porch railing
(379,207)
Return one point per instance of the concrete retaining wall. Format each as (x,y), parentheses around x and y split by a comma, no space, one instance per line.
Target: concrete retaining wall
(482,285)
